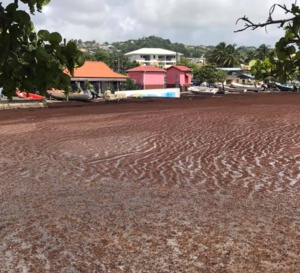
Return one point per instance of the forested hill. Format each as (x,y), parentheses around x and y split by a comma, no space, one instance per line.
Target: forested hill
(189,51)
(157,42)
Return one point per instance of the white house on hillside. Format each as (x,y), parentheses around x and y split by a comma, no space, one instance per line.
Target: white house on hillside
(154,57)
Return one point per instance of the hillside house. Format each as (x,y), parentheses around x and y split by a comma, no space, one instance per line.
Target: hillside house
(156,57)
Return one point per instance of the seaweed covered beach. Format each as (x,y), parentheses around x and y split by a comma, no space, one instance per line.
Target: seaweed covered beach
(196,184)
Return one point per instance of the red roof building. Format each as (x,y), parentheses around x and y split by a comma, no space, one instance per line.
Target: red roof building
(178,76)
(98,74)
(148,77)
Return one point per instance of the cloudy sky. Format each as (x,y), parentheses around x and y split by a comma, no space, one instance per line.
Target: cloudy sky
(192,22)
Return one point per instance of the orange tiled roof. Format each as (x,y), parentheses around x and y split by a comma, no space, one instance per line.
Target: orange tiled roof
(145,68)
(181,68)
(93,69)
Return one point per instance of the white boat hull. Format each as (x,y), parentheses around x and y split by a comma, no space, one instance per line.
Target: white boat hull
(202,90)
(246,87)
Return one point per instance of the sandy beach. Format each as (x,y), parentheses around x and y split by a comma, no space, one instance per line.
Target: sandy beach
(196,184)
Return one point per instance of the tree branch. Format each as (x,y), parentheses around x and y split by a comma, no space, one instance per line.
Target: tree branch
(254,26)
(270,21)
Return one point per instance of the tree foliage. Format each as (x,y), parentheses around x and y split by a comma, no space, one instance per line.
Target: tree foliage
(221,76)
(114,60)
(33,60)
(186,62)
(245,53)
(285,61)
(224,55)
(206,73)
(153,42)
(121,63)
(262,69)
(129,84)
(101,55)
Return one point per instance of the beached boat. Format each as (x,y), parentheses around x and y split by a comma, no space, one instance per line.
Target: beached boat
(202,90)
(247,87)
(79,96)
(229,89)
(60,95)
(283,87)
(234,89)
(56,94)
(31,96)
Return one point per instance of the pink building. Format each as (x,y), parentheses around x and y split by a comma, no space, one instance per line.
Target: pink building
(147,77)
(178,76)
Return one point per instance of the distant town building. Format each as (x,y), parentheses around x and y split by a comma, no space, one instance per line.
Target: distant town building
(107,47)
(237,74)
(198,61)
(156,57)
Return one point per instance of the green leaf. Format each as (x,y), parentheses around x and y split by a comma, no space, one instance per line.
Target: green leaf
(80,59)
(298,55)
(55,38)
(22,17)
(291,50)
(43,35)
(281,55)
(28,57)
(13,63)
(16,32)
(272,58)
(33,37)
(27,84)
(11,9)
(65,79)
(41,53)
(30,27)
(43,2)
(289,36)
(71,46)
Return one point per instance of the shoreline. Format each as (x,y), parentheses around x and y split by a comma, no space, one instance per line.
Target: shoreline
(18,104)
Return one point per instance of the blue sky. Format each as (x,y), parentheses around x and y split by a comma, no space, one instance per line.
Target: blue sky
(192,22)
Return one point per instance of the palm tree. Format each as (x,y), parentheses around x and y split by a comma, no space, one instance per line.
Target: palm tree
(249,55)
(232,56)
(262,52)
(216,55)
(225,55)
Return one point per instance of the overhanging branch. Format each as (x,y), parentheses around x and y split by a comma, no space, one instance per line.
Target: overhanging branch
(251,25)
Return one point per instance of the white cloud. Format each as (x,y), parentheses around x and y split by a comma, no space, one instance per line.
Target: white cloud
(191,22)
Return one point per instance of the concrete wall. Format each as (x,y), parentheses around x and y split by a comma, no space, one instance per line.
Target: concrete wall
(5,105)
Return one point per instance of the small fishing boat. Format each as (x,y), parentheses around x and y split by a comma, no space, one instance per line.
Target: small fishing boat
(60,95)
(247,87)
(230,89)
(56,94)
(284,87)
(31,96)
(79,96)
(203,90)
